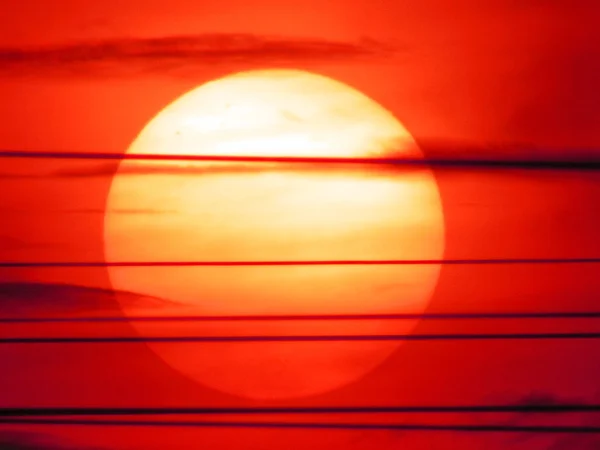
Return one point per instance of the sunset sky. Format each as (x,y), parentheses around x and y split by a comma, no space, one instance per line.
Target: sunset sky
(500,79)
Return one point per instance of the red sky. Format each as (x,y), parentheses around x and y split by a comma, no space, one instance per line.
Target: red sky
(87,76)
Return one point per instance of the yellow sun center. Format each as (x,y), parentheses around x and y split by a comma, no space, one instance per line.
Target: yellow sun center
(183,211)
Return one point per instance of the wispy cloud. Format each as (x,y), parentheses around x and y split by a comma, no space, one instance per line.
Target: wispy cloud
(37,212)
(203,168)
(166,54)
(11,243)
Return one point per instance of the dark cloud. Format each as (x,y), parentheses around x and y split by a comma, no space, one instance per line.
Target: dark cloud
(29,299)
(554,442)
(437,151)
(163,54)
(539,399)
(21,440)
(433,150)
(10,243)
(576,442)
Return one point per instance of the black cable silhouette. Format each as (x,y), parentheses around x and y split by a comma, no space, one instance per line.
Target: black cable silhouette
(474,428)
(415,162)
(317,317)
(296,338)
(342,262)
(553,408)
(582,165)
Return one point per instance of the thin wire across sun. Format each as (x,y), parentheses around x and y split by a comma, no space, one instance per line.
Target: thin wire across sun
(89,416)
(505,163)
(467,163)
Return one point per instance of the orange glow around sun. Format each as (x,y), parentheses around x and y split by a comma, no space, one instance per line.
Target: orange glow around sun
(182,211)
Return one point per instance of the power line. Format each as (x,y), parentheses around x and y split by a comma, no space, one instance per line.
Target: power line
(316,317)
(342,262)
(297,338)
(475,428)
(414,162)
(421,409)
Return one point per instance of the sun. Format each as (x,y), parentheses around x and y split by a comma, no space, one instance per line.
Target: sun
(184,211)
